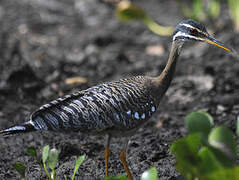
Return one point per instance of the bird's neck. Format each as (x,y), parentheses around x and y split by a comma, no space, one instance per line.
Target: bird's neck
(163,81)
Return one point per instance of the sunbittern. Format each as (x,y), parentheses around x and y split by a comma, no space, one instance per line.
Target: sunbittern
(115,109)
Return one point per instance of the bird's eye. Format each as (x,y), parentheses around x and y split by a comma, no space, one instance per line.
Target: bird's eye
(193,31)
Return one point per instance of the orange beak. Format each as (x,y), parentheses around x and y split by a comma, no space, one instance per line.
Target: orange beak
(217,43)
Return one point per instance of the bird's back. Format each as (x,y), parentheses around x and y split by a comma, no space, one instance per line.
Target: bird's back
(116,107)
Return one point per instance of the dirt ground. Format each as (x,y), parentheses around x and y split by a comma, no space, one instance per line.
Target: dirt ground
(45,42)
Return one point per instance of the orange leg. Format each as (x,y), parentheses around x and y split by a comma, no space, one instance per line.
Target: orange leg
(107,149)
(123,160)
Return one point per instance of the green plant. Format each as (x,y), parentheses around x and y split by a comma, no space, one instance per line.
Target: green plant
(127,11)
(78,163)
(45,152)
(234,12)
(120,177)
(151,174)
(214,8)
(199,122)
(32,151)
(21,169)
(52,161)
(207,153)
(196,11)
(50,156)
(49,159)
(200,10)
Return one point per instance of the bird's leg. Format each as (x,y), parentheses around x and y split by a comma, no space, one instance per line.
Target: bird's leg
(123,159)
(107,154)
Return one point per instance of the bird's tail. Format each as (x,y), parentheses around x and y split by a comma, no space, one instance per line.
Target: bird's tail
(14,130)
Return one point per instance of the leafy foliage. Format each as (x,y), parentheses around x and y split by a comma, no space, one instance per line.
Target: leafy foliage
(151,174)
(20,168)
(234,12)
(214,8)
(127,11)
(121,177)
(32,151)
(199,122)
(49,159)
(206,153)
(186,150)
(222,138)
(52,161)
(52,158)
(45,153)
(79,161)
(201,10)
(196,11)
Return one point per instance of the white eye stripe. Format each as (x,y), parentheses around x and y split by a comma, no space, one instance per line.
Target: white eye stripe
(189,26)
(179,33)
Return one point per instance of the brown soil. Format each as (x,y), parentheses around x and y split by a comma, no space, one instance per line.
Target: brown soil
(42,43)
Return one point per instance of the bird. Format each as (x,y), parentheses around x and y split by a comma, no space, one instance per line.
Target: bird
(115,109)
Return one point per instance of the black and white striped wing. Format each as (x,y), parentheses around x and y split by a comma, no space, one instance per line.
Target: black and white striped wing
(116,106)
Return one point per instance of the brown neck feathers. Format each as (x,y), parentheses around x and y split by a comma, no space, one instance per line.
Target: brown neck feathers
(162,82)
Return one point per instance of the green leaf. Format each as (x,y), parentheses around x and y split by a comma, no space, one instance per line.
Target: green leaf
(121,177)
(224,174)
(197,6)
(151,174)
(186,150)
(199,122)
(234,12)
(126,11)
(208,161)
(20,168)
(78,163)
(214,8)
(52,158)
(156,28)
(196,11)
(222,139)
(45,153)
(187,147)
(185,9)
(32,151)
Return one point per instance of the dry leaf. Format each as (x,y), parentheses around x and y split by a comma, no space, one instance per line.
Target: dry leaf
(76,80)
(159,124)
(155,50)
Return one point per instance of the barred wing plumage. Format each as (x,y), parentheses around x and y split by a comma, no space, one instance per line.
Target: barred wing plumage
(114,106)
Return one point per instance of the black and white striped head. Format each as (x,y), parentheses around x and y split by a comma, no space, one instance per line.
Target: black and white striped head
(190,30)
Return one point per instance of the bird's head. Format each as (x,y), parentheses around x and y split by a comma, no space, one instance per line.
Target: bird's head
(190,30)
